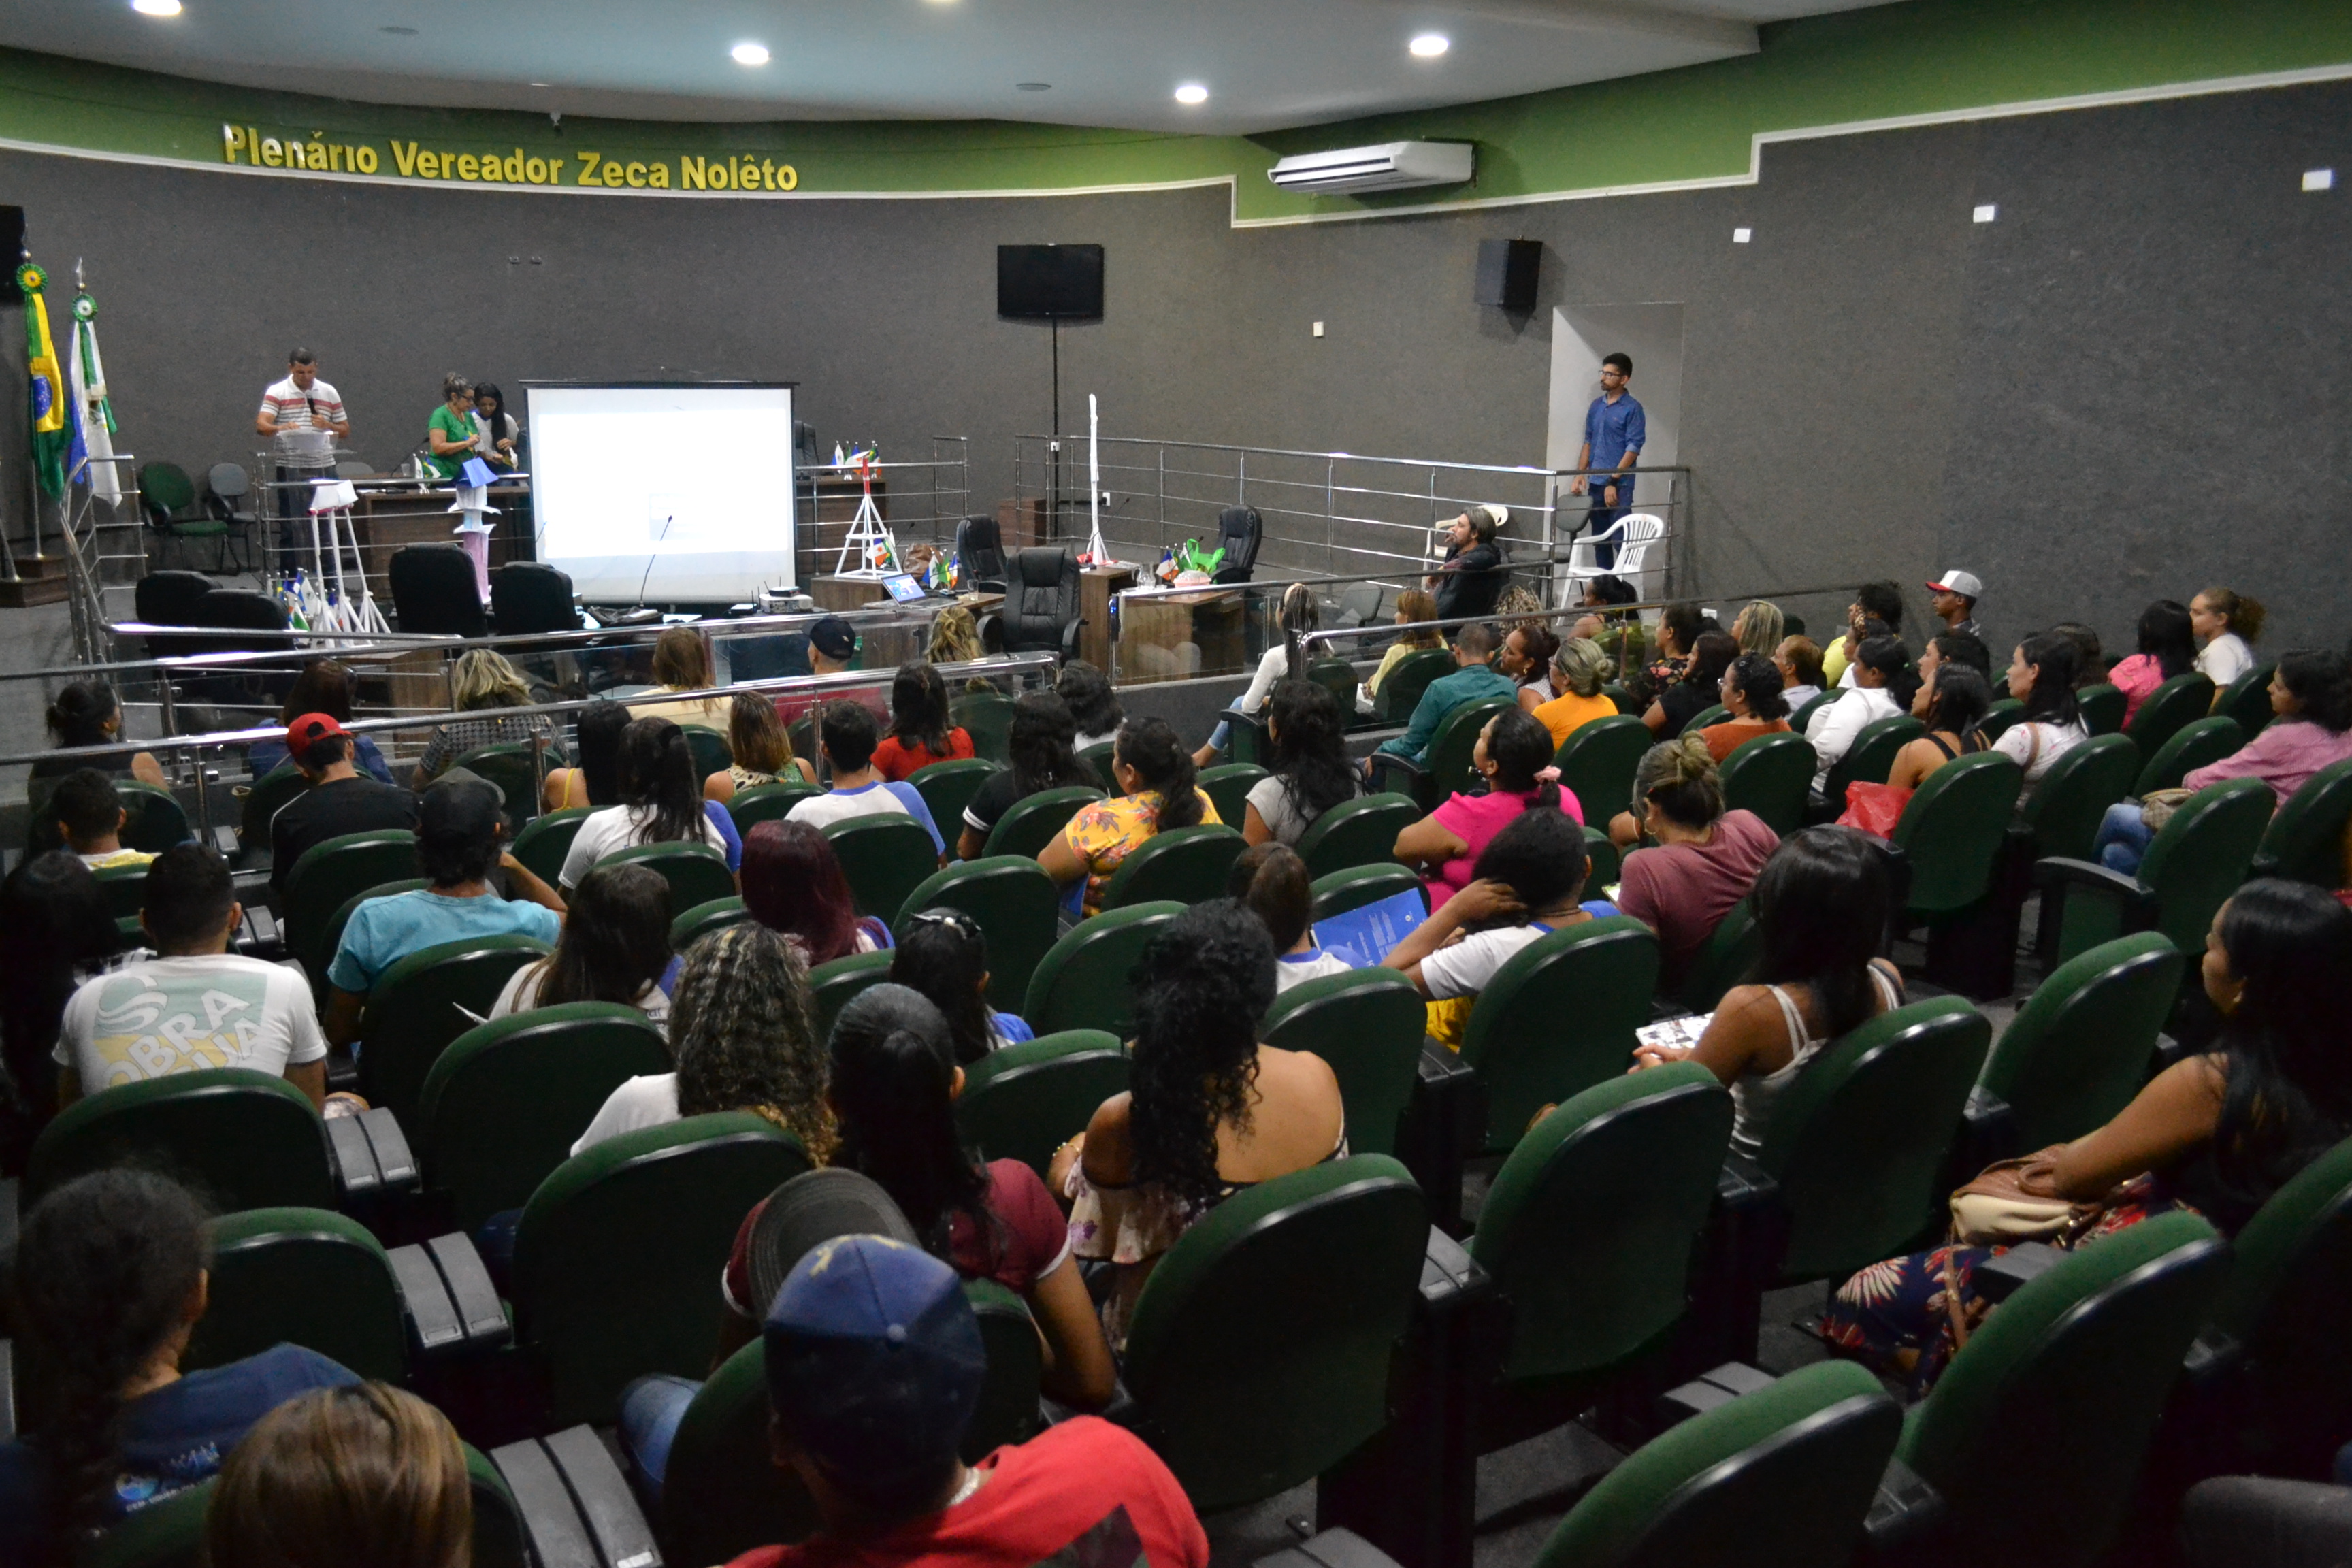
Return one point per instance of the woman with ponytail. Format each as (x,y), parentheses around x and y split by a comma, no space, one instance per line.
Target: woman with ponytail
(84,713)
(661,803)
(944,956)
(1155,773)
(1514,755)
(110,1278)
(2225,622)
(1299,614)
(1704,859)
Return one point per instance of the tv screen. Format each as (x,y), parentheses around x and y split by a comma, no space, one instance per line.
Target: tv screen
(1046,281)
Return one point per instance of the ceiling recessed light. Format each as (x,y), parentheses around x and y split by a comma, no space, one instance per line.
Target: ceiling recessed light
(156,7)
(1191,92)
(750,54)
(1429,46)
(1034,85)
(399,32)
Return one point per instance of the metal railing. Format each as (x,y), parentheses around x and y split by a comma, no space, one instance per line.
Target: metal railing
(825,501)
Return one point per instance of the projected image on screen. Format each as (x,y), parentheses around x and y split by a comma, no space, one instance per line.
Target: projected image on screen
(665,485)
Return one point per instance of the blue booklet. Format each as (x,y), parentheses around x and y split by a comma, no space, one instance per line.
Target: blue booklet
(1364,936)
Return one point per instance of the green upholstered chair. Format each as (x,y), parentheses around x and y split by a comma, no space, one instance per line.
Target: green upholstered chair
(501,1108)
(703,918)
(1858,1139)
(153,819)
(618,1250)
(1337,677)
(425,1001)
(831,985)
(2000,717)
(1027,1101)
(696,872)
(515,770)
(1559,1017)
(1770,776)
(1953,829)
(308,1277)
(712,754)
(2305,842)
(2035,1434)
(327,876)
(1728,957)
(1189,864)
(1081,983)
(240,1139)
(2195,744)
(2080,1047)
(2103,709)
(1604,866)
(1017,907)
(1367,1024)
(1360,832)
(987,717)
(1259,1351)
(1402,691)
(2282,1306)
(767,803)
(543,845)
(125,889)
(1228,785)
(270,793)
(1037,820)
(1703,717)
(1870,757)
(1597,763)
(2062,816)
(2163,712)
(2196,861)
(1445,768)
(2248,699)
(1337,892)
(883,857)
(1782,1477)
(948,787)
(1801,721)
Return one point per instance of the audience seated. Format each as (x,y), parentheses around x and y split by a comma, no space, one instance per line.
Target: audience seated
(61,934)
(109,1280)
(945,958)
(1822,904)
(661,803)
(1514,756)
(1094,705)
(1211,1111)
(2042,676)
(1472,680)
(1270,881)
(2218,1133)
(742,1031)
(1799,661)
(846,735)
(84,713)
(1881,601)
(1471,577)
(1750,691)
(483,683)
(1579,670)
(1833,728)
(1952,702)
(1528,882)
(1309,773)
(338,799)
(1298,614)
(1959,647)
(2167,649)
(191,1003)
(1700,859)
(2225,622)
(955,637)
(792,884)
(1042,749)
(596,744)
(681,663)
(461,840)
(89,815)
(2311,693)
(832,650)
(1698,687)
(359,1476)
(763,750)
(1413,604)
(1759,628)
(615,948)
(875,1368)
(1680,626)
(1156,773)
(2090,662)
(921,733)
(323,687)
(1526,656)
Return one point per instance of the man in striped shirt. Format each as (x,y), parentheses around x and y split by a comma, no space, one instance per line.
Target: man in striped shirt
(301,416)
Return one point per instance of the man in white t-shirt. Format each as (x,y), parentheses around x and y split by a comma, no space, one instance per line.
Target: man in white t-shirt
(301,416)
(847,734)
(195,1004)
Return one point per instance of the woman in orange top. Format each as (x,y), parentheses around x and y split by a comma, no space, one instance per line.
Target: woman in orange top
(1751,691)
(1579,670)
(921,733)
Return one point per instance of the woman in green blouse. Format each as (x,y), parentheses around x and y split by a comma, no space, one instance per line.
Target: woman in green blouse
(450,433)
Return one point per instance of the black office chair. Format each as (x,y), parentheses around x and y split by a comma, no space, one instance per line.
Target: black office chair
(980,552)
(433,591)
(532,596)
(1241,531)
(1041,603)
(169,599)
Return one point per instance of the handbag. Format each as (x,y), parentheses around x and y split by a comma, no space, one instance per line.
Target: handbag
(1874,808)
(1995,1210)
(2156,806)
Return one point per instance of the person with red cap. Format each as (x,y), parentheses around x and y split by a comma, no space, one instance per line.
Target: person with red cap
(339,798)
(1955,597)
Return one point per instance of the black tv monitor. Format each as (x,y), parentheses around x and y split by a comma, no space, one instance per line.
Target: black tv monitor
(1049,282)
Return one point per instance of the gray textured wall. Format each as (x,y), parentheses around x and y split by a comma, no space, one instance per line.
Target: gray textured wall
(2129,385)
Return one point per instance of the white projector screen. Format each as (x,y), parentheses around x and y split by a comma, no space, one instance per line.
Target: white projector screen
(668,487)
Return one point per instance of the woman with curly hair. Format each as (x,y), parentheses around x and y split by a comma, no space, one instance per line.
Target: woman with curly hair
(1311,772)
(742,1031)
(1210,1111)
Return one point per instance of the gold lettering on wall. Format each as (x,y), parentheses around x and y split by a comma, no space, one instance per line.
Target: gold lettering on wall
(245,145)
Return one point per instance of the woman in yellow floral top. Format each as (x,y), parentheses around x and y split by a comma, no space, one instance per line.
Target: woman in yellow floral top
(1156,772)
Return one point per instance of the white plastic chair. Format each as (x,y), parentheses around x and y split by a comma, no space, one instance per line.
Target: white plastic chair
(1632,534)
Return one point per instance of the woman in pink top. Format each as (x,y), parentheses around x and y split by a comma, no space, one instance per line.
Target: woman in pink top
(2167,649)
(1513,753)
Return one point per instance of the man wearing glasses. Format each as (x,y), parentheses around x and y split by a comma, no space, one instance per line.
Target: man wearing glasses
(301,416)
(1615,429)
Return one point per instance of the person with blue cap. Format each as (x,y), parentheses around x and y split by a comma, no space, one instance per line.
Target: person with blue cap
(874,1366)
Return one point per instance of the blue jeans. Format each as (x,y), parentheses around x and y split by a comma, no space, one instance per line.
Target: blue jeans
(651,1409)
(2122,839)
(1602,518)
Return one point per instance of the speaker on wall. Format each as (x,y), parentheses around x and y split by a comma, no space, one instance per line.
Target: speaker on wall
(1049,282)
(1507,273)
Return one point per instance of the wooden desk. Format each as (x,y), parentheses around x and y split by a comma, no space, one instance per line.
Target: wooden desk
(1154,633)
(1096,586)
(388,521)
(845,593)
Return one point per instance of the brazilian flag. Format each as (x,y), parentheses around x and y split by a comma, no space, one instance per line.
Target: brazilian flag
(57,432)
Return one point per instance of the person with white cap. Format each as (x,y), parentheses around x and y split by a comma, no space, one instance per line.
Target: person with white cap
(1955,597)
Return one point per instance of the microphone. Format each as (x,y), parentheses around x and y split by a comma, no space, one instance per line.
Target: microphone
(653,556)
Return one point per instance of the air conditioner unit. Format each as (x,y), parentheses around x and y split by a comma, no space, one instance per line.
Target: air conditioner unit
(1392,166)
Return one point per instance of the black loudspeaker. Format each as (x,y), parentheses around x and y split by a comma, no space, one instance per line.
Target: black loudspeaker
(1507,273)
(12,253)
(1043,282)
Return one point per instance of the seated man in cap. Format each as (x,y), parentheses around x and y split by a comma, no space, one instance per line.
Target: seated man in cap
(340,799)
(461,840)
(875,1367)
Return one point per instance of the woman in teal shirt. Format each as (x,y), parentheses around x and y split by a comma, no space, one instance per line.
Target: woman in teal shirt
(450,433)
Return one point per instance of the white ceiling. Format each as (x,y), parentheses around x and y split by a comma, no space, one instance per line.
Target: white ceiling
(1267,64)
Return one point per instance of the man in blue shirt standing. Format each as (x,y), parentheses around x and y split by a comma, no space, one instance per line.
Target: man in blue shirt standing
(1615,429)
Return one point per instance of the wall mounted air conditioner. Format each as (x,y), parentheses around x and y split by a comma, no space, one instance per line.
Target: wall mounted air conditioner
(1392,166)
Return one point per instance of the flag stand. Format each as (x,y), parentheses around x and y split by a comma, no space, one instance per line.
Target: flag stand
(869,541)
